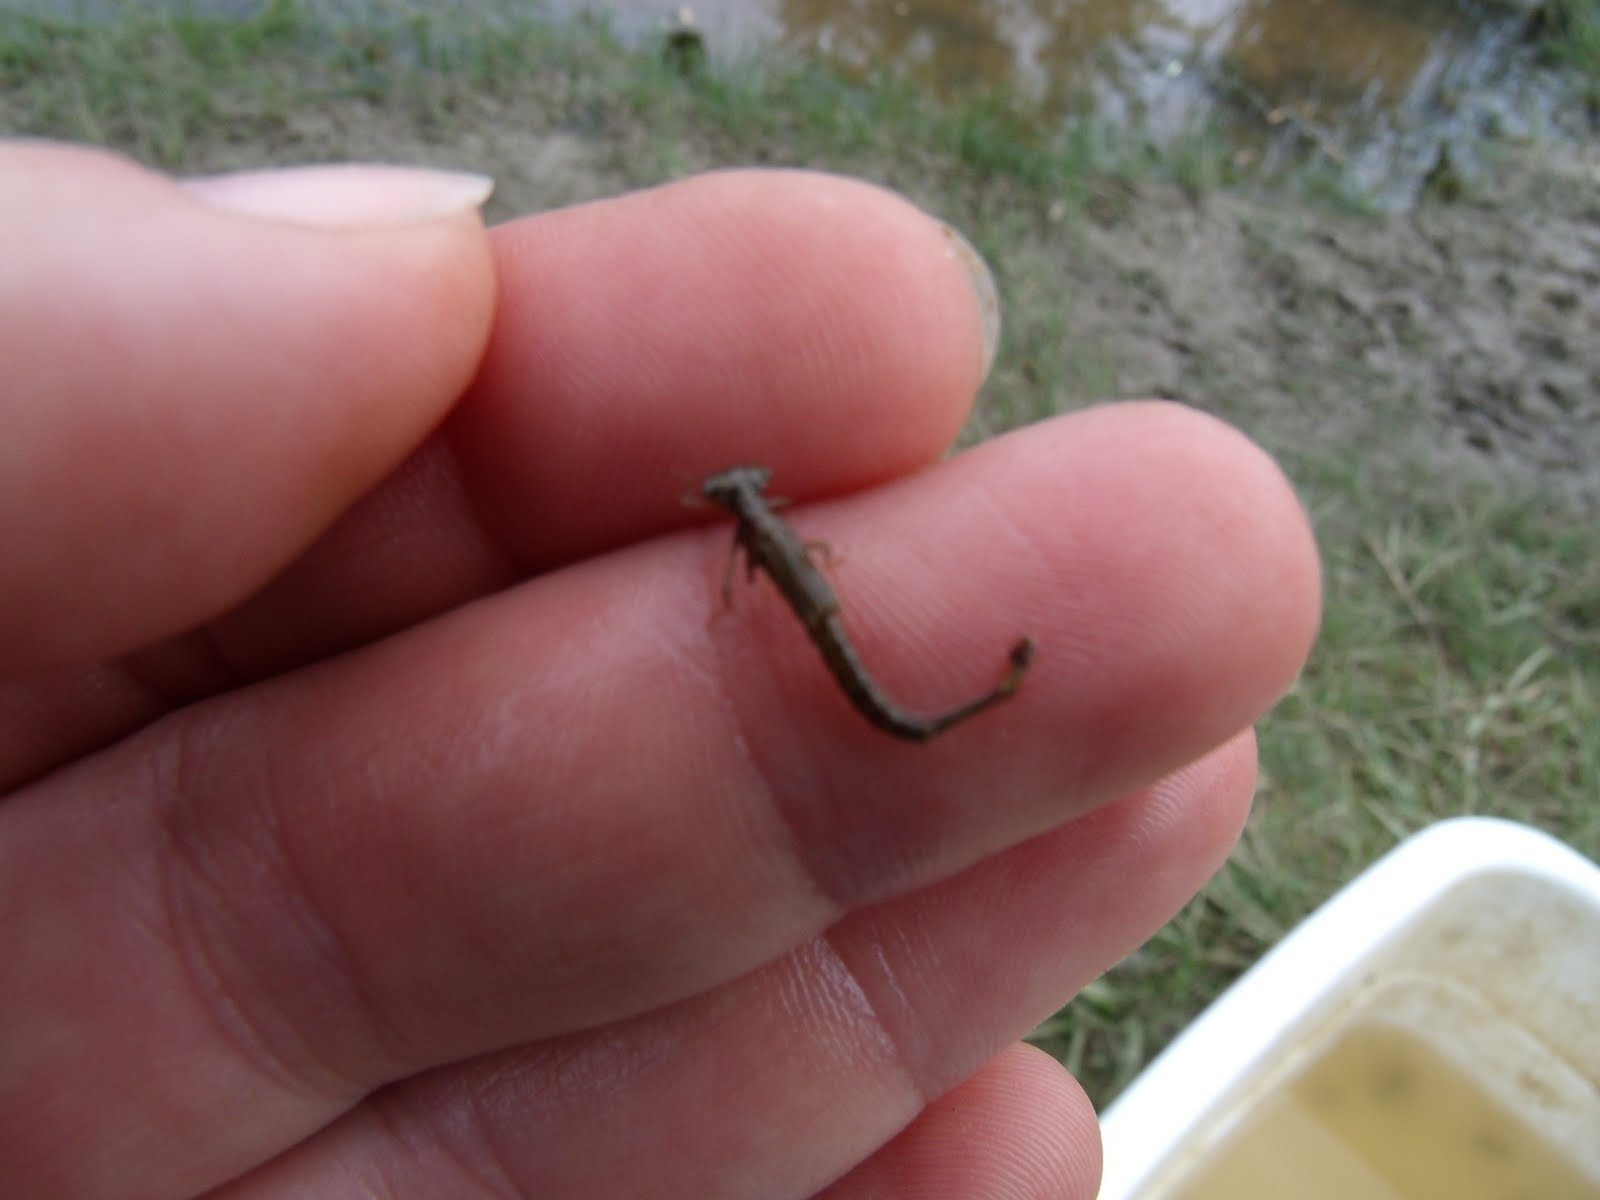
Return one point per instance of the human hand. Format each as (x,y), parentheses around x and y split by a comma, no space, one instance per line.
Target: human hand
(385,817)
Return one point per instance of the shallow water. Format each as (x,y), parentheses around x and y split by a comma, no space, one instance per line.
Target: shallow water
(1389,92)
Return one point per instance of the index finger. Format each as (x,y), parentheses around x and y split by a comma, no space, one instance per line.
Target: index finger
(816,324)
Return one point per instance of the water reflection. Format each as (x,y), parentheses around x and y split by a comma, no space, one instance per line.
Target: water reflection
(957,45)
(1046,50)
(1339,56)
(1380,86)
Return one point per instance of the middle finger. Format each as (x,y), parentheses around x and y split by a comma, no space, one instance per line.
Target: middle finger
(464,839)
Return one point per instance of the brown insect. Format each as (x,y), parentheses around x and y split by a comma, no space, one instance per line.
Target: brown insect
(771,544)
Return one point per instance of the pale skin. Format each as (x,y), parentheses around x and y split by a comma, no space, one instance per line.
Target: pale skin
(385,816)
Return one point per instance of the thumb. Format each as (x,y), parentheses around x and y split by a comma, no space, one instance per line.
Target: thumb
(198,379)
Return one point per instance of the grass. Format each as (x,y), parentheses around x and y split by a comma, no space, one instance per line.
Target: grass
(1456,666)
(1573,36)
(165,87)
(1456,674)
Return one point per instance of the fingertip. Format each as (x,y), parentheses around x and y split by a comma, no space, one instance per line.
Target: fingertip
(1021,1128)
(819,324)
(1186,540)
(1265,546)
(1188,822)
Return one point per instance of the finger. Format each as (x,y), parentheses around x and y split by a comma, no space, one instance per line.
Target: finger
(471,785)
(598,400)
(1020,1129)
(195,390)
(1081,896)
(812,322)
(815,323)
(686,1102)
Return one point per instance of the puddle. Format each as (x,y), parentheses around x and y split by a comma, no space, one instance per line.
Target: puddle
(1389,93)
(1392,94)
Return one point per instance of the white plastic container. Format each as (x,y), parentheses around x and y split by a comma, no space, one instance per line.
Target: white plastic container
(1433,1031)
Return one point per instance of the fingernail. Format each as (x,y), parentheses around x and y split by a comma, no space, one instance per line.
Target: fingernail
(346,196)
(983,290)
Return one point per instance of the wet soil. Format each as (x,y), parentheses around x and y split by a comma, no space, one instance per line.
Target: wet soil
(1463,337)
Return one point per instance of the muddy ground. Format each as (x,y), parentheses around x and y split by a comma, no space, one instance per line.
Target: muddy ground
(1463,336)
